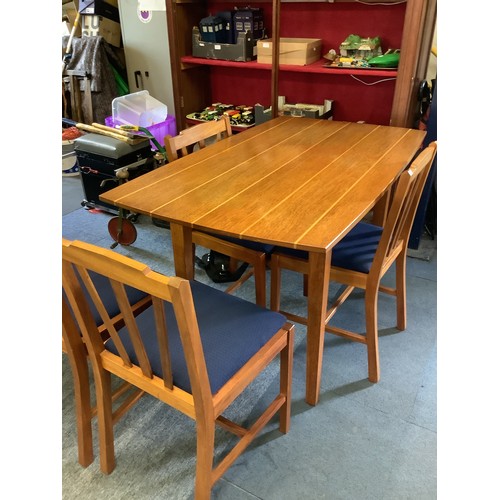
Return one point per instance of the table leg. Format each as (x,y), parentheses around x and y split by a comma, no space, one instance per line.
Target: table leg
(182,244)
(319,273)
(380,209)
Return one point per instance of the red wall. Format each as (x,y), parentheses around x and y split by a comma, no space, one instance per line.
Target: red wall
(332,22)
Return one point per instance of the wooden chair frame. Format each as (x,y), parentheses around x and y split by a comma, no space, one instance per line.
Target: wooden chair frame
(182,145)
(392,248)
(201,405)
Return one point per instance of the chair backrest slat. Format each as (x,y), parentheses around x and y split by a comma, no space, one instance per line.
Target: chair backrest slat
(133,330)
(99,305)
(197,134)
(403,207)
(77,301)
(162,337)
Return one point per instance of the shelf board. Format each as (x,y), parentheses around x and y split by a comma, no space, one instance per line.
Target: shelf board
(227,64)
(316,67)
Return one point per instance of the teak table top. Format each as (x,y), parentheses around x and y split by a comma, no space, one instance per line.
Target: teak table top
(295,182)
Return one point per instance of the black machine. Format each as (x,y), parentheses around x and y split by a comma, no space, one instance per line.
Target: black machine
(100,157)
(104,163)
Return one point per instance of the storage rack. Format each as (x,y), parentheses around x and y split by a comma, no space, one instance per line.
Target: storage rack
(372,95)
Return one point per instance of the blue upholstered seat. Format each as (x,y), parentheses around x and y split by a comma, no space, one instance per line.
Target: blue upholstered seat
(252,245)
(232,330)
(108,298)
(354,252)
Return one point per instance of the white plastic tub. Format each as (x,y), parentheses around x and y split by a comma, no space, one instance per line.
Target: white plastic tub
(139,109)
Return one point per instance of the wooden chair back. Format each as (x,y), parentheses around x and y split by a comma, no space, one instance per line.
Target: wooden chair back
(160,351)
(402,210)
(182,144)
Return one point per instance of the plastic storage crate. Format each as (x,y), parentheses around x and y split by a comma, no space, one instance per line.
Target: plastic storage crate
(139,108)
(159,130)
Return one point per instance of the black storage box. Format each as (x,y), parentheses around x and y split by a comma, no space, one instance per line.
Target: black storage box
(99,157)
(245,48)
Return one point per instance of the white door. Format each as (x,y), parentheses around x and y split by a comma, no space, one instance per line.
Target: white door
(147,56)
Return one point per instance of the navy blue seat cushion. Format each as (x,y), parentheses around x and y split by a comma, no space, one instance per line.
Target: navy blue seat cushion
(252,245)
(232,330)
(107,295)
(354,252)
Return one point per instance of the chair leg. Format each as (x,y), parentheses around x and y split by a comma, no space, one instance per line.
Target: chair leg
(286,360)
(305,285)
(371,299)
(76,351)
(83,409)
(233,264)
(104,402)
(205,437)
(275,283)
(259,274)
(401,291)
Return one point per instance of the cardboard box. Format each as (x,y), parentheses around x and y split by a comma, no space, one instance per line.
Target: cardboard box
(70,11)
(293,51)
(101,26)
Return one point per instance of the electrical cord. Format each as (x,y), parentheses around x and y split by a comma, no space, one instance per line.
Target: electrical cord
(373,83)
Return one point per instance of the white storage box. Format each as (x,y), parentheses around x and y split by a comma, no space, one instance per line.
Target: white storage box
(139,109)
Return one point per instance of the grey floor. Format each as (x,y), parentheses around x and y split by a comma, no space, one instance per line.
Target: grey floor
(362,441)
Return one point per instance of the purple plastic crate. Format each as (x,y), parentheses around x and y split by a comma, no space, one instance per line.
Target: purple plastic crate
(159,130)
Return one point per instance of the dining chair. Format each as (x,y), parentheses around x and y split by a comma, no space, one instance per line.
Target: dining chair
(253,253)
(199,135)
(195,349)
(74,347)
(362,258)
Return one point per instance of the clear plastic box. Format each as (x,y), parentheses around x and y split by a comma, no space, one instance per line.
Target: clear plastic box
(139,109)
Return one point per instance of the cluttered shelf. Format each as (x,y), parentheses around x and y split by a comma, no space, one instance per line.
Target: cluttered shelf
(318,67)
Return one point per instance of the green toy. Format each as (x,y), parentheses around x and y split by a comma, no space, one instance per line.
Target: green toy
(388,60)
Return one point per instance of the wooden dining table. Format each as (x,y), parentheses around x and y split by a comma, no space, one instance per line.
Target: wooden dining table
(295,182)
